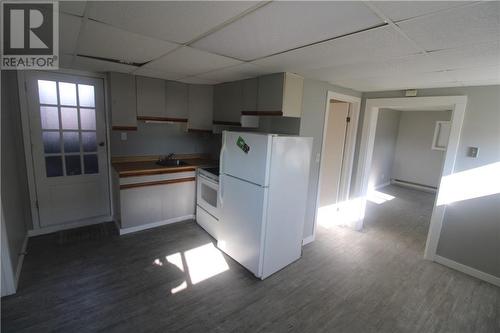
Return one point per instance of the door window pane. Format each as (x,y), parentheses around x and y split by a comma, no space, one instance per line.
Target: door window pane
(69,117)
(53,166)
(67,93)
(89,141)
(73,165)
(71,141)
(87,119)
(86,95)
(50,117)
(90,164)
(51,142)
(47,92)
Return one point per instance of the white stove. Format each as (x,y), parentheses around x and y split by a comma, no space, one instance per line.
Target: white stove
(207,199)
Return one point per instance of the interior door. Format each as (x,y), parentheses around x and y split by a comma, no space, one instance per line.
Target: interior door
(68,136)
(332,162)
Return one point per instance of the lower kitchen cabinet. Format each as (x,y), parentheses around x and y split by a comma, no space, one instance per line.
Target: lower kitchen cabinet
(150,201)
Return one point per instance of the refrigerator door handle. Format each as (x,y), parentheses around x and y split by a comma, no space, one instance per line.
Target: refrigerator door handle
(220,191)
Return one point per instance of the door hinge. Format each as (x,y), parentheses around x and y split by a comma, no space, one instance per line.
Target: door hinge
(348,119)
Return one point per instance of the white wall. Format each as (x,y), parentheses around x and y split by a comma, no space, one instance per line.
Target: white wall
(414,160)
(384,147)
(14,184)
(471,228)
(311,125)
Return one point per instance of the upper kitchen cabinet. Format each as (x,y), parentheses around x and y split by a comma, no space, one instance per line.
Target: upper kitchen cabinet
(279,94)
(151,99)
(200,108)
(228,103)
(250,91)
(177,101)
(122,92)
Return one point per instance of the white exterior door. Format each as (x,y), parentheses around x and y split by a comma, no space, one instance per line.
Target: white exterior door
(246,156)
(68,137)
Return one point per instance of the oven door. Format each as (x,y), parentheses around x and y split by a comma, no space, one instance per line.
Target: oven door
(206,195)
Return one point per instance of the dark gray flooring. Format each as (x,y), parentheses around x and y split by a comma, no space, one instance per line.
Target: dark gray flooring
(347,281)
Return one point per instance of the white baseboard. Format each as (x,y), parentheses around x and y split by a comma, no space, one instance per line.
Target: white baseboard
(21,260)
(468,270)
(414,186)
(77,224)
(128,230)
(307,240)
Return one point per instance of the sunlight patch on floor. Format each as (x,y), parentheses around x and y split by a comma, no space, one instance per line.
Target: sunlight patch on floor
(199,264)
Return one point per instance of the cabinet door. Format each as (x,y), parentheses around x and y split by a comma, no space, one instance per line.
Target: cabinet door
(150,98)
(250,90)
(270,93)
(177,100)
(228,98)
(200,106)
(123,101)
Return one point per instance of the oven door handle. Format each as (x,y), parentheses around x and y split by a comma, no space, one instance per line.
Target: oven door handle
(220,191)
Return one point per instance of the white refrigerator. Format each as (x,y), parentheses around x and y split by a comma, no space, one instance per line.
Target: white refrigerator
(263,188)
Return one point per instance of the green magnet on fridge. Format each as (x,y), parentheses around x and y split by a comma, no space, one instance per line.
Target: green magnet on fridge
(242,144)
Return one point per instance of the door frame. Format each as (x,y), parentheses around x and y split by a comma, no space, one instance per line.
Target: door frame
(350,145)
(28,154)
(457,104)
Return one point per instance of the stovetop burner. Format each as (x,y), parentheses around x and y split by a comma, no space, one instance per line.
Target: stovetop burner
(214,171)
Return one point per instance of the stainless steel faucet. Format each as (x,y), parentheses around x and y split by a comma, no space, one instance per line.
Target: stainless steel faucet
(170,156)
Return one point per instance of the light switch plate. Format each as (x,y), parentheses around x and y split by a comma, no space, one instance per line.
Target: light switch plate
(123,136)
(472,152)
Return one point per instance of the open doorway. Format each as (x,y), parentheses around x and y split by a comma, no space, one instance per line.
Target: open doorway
(408,155)
(339,135)
(457,106)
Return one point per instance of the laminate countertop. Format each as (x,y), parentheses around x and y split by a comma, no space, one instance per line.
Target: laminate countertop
(145,168)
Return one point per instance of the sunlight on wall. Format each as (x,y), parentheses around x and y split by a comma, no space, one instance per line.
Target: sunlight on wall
(470,184)
(204,262)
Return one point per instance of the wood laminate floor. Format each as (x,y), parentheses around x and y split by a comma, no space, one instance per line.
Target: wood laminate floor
(159,280)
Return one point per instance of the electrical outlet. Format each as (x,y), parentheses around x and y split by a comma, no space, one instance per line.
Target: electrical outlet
(123,136)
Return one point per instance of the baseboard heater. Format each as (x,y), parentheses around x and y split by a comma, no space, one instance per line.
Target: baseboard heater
(417,186)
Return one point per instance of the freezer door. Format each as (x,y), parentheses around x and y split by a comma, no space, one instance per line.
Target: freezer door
(246,156)
(241,222)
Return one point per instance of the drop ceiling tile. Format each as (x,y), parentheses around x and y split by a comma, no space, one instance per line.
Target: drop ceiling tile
(457,27)
(398,67)
(178,21)
(197,80)
(372,45)
(102,40)
(69,28)
(72,7)
(93,65)
(283,25)
(487,73)
(156,73)
(234,73)
(402,10)
(476,55)
(393,82)
(189,61)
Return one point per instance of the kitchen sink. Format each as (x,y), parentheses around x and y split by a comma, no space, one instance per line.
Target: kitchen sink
(170,162)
